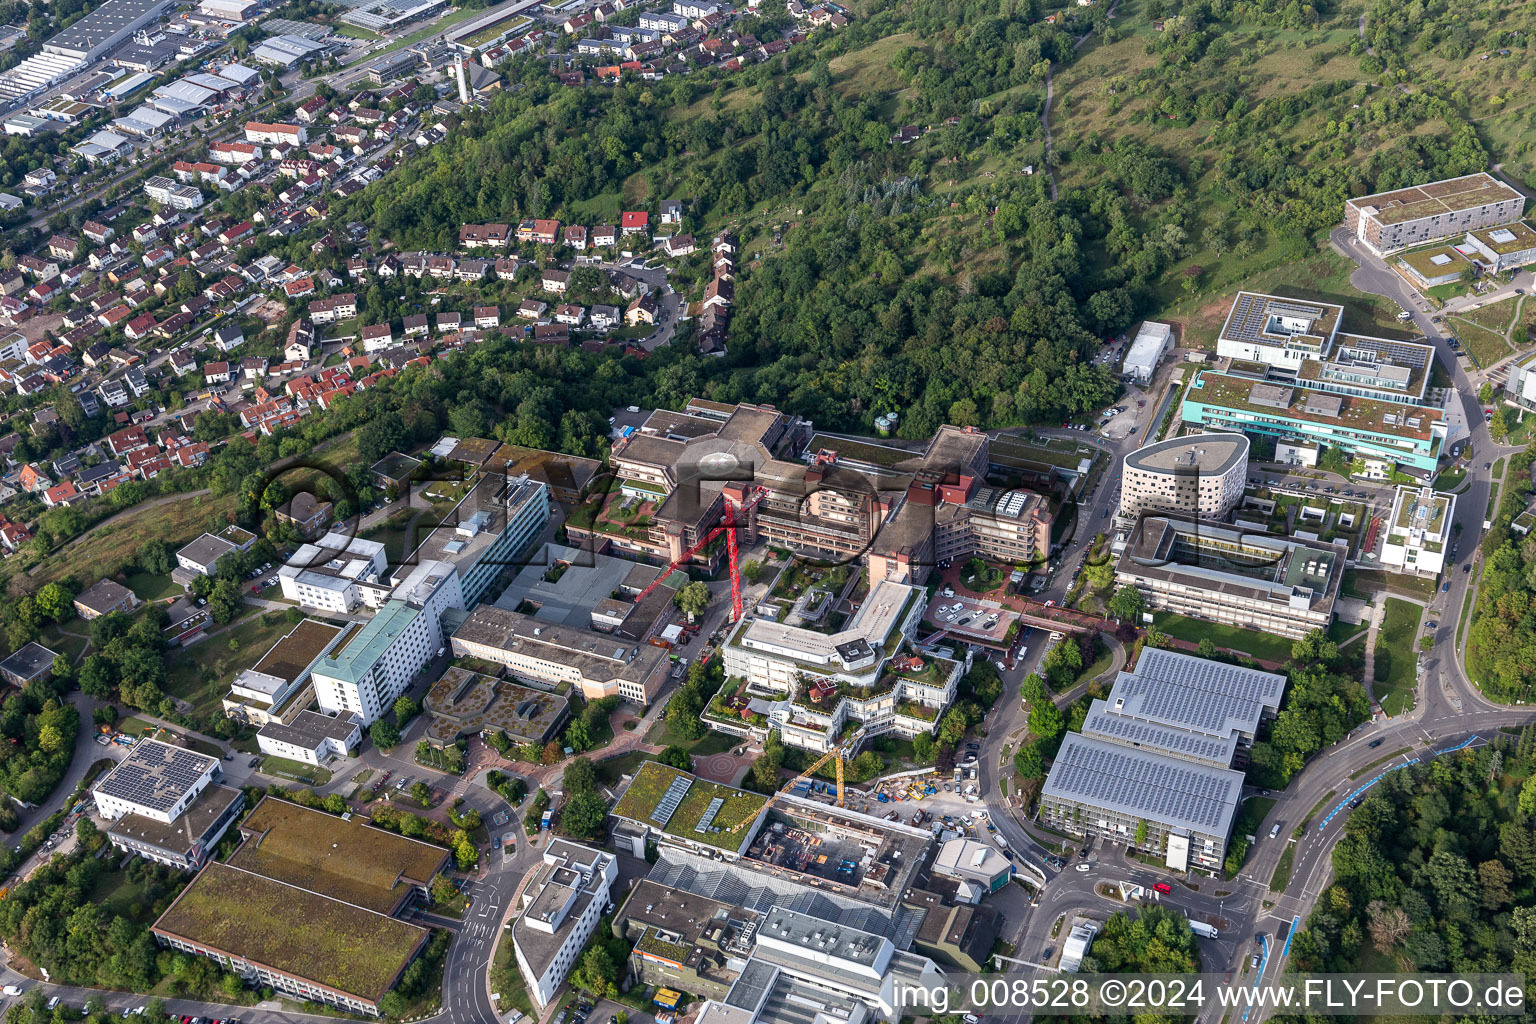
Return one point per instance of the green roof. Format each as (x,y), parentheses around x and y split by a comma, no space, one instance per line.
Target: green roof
(292,930)
(364,650)
(650,784)
(343,858)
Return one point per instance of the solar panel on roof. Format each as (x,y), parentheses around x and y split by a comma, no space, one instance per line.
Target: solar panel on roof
(708,816)
(671,800)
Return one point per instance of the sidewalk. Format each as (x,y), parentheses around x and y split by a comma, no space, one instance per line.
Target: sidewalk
(1368,675)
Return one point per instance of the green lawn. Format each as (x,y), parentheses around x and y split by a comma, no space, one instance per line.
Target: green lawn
(1282,876)
(283,768)
(1485,346)
(152,588)
(1259,645)
(202,672)
(67,644)
(1450,479)
(108,547)
(1340,631)
(1396,671)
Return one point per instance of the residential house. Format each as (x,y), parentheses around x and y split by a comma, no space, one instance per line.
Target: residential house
(376,337)
(228,337)
(301,345)
(678,245)
(641,311)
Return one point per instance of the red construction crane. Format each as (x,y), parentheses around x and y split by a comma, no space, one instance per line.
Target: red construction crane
(739,501)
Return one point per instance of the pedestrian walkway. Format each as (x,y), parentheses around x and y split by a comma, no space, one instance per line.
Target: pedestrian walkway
(1378,611)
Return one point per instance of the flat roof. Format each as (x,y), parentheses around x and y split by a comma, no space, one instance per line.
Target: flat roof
(29,661)
(872,623)
(1275,320)
(342,859)
(1430,512)
(156,775)
(1450,195)
(188,829)
(1212,454)
(101,24)
(395,465)
(1435,261)
(1104,724)
(1507,238)
(309,729)
(463,701)
(747,884)
(1147,347)
(292,930)
(1353,412)
(1173,792)
(478,520)
(599,657)
(292,655)
(1233,562)
(675,802)
(565,472)
(586,580)
(359,654)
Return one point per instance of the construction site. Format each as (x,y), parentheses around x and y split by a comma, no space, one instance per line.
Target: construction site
(840,850)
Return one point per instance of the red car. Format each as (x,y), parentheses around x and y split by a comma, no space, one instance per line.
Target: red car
(1163,887)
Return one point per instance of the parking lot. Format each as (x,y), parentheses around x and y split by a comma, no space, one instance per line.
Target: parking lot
(971,617)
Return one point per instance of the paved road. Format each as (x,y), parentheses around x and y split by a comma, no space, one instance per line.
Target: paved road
(1449,711)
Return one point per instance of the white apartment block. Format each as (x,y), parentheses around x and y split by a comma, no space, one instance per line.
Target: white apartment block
(1419,530)
(561,905)
(156,781)
(337,573)
(367,673)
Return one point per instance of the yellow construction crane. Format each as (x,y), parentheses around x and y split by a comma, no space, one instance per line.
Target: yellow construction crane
(841,752)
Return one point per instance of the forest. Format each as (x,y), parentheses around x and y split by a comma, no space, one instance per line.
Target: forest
(1501,642)
(1435,870)
(910,279)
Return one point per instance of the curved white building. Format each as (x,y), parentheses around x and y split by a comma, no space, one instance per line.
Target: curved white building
(1200,476)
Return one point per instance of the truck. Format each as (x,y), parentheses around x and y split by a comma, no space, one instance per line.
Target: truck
(1202,929)
(546,821)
